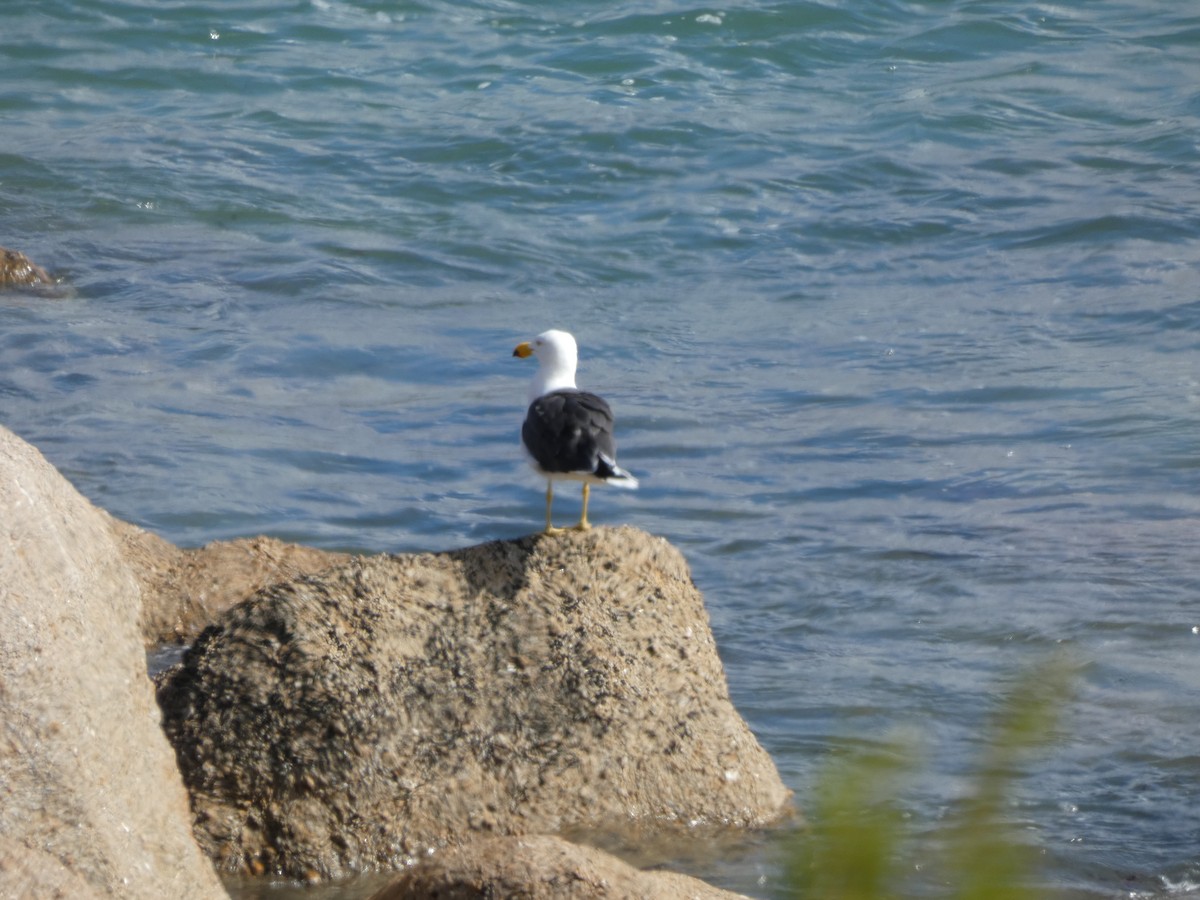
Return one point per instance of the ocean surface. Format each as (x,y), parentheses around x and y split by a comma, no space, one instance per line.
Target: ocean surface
(897,303)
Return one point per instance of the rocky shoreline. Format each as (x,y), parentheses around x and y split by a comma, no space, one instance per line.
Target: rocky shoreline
(337,715)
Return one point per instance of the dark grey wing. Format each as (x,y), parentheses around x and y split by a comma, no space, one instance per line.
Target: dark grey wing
(566,431)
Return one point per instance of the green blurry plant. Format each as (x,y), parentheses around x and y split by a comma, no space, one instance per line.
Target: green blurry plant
(859,844)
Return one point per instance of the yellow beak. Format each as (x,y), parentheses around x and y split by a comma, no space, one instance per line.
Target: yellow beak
(523,350)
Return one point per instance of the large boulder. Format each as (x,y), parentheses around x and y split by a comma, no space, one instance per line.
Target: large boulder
(89,792)
(539,868)
(356,718)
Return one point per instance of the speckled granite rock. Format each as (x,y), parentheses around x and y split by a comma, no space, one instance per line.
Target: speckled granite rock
(352,719)
(183,591)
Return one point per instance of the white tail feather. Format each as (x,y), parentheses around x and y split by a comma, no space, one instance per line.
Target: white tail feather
(619,477)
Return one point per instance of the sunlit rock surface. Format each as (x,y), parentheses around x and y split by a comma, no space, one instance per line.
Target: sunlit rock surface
(91,800)
(184,590)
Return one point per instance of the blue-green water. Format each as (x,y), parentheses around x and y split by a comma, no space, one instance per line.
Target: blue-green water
(897,303)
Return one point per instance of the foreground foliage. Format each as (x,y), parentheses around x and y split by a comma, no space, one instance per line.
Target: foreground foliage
(860,845)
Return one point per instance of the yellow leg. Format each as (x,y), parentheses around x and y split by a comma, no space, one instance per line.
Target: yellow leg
(584,524)
(550,529)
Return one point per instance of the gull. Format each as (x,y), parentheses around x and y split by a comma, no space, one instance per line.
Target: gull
(568,433)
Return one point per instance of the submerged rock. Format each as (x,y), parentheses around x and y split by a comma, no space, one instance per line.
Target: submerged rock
(92,802)
(17,269)
(539,868)
(356,718)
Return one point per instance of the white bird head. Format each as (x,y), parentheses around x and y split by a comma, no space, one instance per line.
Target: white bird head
(557,357)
